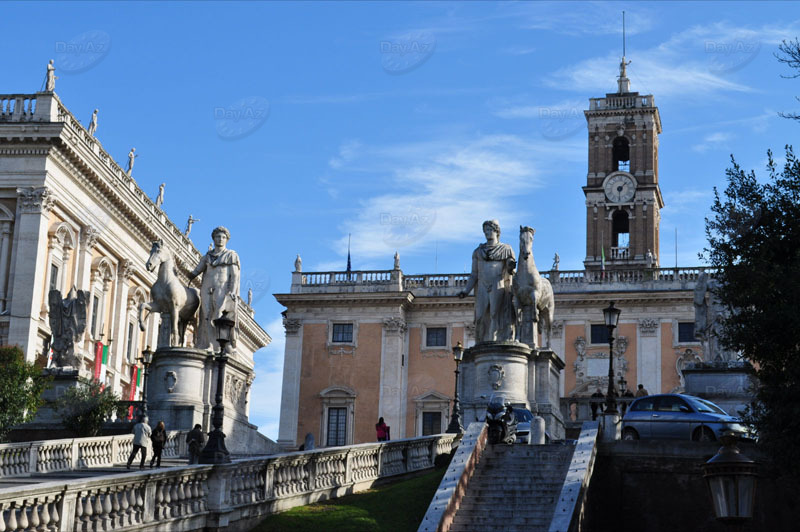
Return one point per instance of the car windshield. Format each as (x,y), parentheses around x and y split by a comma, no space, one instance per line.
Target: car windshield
(523,416)
(706,406)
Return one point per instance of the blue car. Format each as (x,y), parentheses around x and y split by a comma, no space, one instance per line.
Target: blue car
(678,416)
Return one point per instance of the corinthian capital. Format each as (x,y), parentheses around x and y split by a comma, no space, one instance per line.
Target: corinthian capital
(35,200)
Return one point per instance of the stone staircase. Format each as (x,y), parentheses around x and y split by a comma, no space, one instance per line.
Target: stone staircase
(515,487)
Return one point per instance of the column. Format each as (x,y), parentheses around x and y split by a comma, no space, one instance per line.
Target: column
(5,244)
(33,213)
(120,325)
(648,352)
(88,240)
(290,392)
(392,393)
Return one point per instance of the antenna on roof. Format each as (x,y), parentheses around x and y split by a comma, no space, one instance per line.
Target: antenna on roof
(348,256)
(623,34)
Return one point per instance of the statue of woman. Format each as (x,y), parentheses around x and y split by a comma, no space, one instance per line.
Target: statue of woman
(220,288)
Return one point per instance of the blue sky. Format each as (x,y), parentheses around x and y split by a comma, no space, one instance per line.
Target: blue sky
(405,124)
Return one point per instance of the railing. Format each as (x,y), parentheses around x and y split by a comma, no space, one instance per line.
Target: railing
(576,410)
(435,280)
(620,253)
(621,102)
(627,275)
(17,107)
(199,497)
(450,492)
(353,277)
(570,503)
(48,456)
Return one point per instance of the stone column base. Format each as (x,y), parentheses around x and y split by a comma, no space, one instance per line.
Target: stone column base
(610,427)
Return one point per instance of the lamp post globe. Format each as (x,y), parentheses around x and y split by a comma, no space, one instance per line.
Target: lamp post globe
(731,478)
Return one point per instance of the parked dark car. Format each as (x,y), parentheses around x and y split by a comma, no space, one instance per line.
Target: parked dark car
(678,416)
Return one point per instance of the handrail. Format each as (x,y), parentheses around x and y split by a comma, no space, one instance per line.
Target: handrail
(573,491)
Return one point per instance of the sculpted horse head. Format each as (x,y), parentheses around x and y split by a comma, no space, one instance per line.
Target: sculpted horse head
(158,255)
(525,241)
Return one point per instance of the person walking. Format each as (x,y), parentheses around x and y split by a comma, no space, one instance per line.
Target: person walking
(382,430)
(159,440)
(642,391)
(196,440)
(141,439)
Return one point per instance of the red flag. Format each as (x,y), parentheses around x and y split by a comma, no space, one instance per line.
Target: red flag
(132,394)
(98,359)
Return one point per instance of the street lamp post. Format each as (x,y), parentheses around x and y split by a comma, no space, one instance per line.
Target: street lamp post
(611,317)
(146,359)
(215,451)
(455,426)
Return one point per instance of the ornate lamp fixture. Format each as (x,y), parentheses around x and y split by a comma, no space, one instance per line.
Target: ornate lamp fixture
(455,426)
(611,317)
(731,478)
(215,451)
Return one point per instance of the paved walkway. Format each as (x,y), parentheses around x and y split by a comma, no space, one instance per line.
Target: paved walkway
(38,478)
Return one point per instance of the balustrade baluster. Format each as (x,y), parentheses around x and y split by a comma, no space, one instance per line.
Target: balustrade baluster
(23,515)
(36,518)
(12,516)
(2,509)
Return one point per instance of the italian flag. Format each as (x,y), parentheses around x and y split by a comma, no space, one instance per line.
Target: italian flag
(602,257)
(100,362)
(134,388)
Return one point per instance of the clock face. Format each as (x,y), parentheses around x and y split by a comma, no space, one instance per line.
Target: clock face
(620,188)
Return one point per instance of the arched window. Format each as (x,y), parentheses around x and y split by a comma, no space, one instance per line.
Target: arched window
(620,228)
(621,154)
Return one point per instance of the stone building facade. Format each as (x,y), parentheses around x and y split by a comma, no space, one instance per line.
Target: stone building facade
(71,217)
(364,345)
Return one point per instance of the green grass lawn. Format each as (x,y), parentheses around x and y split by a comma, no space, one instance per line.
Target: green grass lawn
(396,507)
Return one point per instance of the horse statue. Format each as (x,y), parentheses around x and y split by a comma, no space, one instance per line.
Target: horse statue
(168,294)
(533,294)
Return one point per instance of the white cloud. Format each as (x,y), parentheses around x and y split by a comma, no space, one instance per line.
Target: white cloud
(717,140)
(265,395)
(440,191)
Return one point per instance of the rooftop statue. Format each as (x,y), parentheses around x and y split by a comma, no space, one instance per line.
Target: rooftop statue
(220,288)
(493,265)
(93,123)
(67,325)
(189,223)
(168,294)
(160,197)
(50,78)
(131,158)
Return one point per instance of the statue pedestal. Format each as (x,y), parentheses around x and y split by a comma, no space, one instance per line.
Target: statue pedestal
(527,378)
(181,390)
(727,385)
(611,427)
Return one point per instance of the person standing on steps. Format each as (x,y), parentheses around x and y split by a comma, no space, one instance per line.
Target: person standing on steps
(159,439)
(196,440)
(141,439)
(382,430)
(642,391)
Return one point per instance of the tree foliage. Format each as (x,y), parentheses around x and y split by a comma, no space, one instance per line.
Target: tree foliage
(85,407)
(21,387)
(789,54)
(754,242)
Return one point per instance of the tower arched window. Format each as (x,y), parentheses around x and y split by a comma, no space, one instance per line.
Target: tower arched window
(620,226)
(621,154)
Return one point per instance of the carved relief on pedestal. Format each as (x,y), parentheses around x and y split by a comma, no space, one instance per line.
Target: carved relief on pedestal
(496,375)
(171,380)
(557,330)
(469,330)
(685,357)
(235,390)
(648,326)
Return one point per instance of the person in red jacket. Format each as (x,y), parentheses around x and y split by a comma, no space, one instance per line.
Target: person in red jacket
(382,429)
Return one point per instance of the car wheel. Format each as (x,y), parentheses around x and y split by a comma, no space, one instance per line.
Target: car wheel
(703,434)
(630,434)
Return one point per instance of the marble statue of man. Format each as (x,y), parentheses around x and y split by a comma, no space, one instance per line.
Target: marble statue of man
(131,158)
(219,290)
(93,123)
(50,80)
(160,197)
(556,262)
(493,266)
(708,316)
(189,223)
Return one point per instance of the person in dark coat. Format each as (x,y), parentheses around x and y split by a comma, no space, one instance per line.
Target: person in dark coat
(596,402)
(196,440)
(159,439)
(382,430)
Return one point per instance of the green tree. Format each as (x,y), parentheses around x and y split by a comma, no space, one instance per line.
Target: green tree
(21,387)
(85,407)
(754,242)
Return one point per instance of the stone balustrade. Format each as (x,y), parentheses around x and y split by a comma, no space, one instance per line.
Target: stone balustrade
(49,456)
(576,410)
(199,497)
(451,284)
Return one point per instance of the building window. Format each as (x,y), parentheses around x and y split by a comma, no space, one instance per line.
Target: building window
(436,337)
(337,426)
(686,332)
(53,277)
(431,423)
(95,308)
(621,154)
(130,342)
(343,333)
(599,334)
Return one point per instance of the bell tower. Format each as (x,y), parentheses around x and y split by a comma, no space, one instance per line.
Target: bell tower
(623,199)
